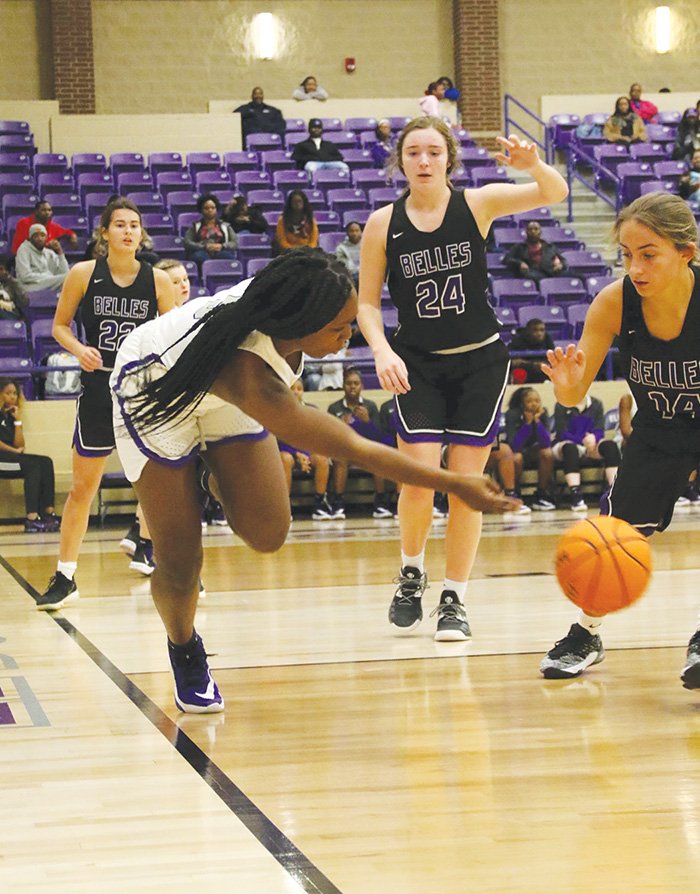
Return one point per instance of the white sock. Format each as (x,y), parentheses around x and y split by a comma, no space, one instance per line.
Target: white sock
(67,569)
(414,561)
(457,586)
(591,624)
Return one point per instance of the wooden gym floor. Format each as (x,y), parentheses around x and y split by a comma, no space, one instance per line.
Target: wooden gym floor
(347,759)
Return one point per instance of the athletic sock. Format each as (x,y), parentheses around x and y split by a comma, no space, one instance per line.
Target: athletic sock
(591,624)
(457,586)
(67,569)
(413,561)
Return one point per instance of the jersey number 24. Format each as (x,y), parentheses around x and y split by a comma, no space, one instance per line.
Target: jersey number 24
(431,302)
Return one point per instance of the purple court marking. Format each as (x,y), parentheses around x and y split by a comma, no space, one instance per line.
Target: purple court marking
(6,717)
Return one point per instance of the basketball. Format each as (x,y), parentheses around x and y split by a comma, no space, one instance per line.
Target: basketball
(603,564)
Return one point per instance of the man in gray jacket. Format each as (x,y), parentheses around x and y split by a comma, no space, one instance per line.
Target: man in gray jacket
(39,267)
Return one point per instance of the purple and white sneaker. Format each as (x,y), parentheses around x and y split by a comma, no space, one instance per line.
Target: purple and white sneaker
(195,689)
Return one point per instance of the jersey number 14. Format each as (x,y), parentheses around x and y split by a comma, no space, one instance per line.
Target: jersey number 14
(432,303)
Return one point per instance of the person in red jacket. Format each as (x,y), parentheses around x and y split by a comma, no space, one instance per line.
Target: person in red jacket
(43,214)
(646,110)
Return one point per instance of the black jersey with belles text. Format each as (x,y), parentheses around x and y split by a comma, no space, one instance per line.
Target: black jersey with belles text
(664,376)
(109,312)
(438,280)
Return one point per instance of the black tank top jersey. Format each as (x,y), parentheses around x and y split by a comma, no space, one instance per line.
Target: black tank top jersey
(109,312)
(664,376)
(438,280)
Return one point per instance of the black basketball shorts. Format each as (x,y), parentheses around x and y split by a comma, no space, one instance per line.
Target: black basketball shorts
(454,398)
(94,433)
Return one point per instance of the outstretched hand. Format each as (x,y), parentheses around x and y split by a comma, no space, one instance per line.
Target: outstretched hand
(517,153)
(483,494)
(565,368)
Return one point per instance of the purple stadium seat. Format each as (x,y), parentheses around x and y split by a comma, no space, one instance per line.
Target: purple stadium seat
(541,215)
(164,161)
(506,317)
(120,162)
(255,265)
(158,224)
(240,161)
(185,220)
(476,158)
(673,119)
(272,217)
(359,216)
(495,265)
(358,159)
(610,156)
(506,237)
(398,122)
(367,138)
(43,342)
(212,181)
(173,181)
(460,178)
(661,133)
(383,196)
(562,290)
(291,139)
(247,180)
(261,141)
(17,142)
(151,202)
(343,139)
(13,339)
(85,162)
(290,179)
(670,170)
(369,179)
(203,161)
(576,314)
(346,199)
(15,163)
(482,176)
(169,246)
(192,271)
(586,263)
(317,199)
(17,203)
(276,160)
(224,195)
(563,128)
(12,127)
(266,199)
(19,369)
(330,241)
(55,181)
(327,221)
(463,137)
(650,152)
(94,204)
(92,182)
(552,316)
(76,222)
(332,179)
(42,305)
(16,183)
(595,284)
(295,125)
(331,124)
(633,174)
(254,245)
(198,291)
(359,124)
(64,202)
(514,291)
(221,273)
(658,186)
(50,163)
(562,237)
(134,181)
(181,200)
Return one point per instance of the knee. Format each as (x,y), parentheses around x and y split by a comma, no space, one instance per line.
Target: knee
(267,537)
(178,568)
(417,496)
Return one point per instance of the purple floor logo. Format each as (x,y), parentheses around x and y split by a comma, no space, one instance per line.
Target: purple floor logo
(19,706)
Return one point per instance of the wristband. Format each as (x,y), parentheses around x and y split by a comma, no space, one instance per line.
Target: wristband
(17,423)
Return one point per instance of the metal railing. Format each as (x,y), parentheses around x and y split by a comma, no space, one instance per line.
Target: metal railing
(543,140)
(599,172)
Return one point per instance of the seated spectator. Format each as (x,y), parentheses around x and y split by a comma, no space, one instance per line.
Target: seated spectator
(37,471)
(689,184)
(502,461)
(37,266)
(348,252)
(646,110)
(13,298)
(178,277)
(317,154)
(209,237)
(363,415)
(297,225)
(687,135)
(527,433)
(579,432)
(535,258)
(258,117)
(430,102)
(43,214)
(451,92)
(244,218)
(309,89)
(383,149)
(532,337)
(624,126)
(309,464)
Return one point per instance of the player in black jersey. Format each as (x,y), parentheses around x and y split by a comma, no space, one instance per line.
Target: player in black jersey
(446,364)
(113,296)
(655,311)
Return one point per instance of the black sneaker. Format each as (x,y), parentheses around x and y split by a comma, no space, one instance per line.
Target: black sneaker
(51,522)
(452,624)
(381,507)
(338,507)
(572,655)
(142,559)
(195,689)
(59,592)
(34,526)
(217,516)
(130,540)
(691,671)
(406,611)
(322,510)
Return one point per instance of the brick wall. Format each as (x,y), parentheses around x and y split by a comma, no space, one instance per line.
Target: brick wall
(72,47)
(477,68)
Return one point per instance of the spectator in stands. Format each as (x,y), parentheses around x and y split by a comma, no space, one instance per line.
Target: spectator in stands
(43,214)
(430,102)
(13,298)
(687,135)
(309,89)
(579,432)
(689,184)
(527,433)
(244,218)
(501,464)
(258,117)
(535,258)
(451,92)
(349,250)
(317,154)
(646,110)
(37,266)
(209,237)
(37,471)
(297,225)
(363,415)
(624,125)
(532,337)
(309,464)
(179,277)
(383,149)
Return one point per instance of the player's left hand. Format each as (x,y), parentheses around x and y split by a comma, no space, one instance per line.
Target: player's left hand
(517,153)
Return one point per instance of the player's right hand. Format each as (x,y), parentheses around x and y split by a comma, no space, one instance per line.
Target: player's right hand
(565,367)
(90,359)
(391,371)
(483,494)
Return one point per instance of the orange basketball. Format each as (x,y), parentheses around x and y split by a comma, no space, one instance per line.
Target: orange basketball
(603,564)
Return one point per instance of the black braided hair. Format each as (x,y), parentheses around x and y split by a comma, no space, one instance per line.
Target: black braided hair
(295,295)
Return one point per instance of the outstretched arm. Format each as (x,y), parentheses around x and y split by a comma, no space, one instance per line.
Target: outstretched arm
(252,386)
